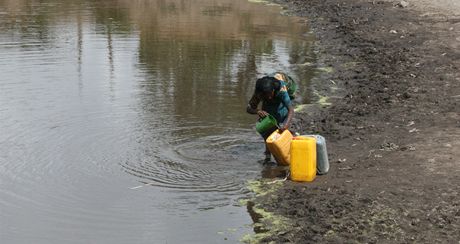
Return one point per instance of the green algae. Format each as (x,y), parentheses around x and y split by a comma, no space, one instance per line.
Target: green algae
(266,223)
(308,64)
(269,224)
(350,65)
(273,219)
(301,108)
(231,230)
(322,100)
(265,2)
(325,69)
(243,202)
(261,188)
(258,1)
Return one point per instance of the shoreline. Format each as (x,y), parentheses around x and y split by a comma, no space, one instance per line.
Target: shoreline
(391,134)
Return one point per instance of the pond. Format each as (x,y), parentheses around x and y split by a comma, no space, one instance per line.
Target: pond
(124,121)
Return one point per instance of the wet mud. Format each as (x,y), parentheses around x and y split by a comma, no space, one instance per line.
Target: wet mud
(393,128)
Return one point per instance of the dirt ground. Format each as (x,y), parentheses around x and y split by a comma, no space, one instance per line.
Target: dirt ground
(393,129)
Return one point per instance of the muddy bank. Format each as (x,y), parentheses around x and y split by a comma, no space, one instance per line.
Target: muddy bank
(393,128)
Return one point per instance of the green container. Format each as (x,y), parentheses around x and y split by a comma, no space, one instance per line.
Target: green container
(266,124)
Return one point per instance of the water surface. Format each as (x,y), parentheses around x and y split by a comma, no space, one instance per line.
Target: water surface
(124,121)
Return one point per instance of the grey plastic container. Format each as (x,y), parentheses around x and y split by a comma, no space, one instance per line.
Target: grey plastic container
(322,161)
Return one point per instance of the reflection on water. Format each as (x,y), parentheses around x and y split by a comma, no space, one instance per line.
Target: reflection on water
(124,121)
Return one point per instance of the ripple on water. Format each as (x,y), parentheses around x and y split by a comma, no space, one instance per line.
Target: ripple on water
(209,163)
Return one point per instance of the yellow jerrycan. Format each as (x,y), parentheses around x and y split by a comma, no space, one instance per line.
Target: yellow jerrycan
(303,158)
(279,145)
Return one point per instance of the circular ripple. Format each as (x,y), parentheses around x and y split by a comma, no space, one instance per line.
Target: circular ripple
(207,163)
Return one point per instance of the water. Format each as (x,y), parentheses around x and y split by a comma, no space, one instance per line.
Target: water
(124,121)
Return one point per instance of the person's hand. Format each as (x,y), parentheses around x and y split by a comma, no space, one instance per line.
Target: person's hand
(262,113)
(283,128)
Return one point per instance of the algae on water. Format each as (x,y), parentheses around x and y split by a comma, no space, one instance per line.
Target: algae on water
(266,2)
(243,202)
(258,188)
(266,223)
(269,224)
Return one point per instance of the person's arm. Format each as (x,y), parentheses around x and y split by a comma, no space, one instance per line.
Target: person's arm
(253,104)
(289,118)
(288,103)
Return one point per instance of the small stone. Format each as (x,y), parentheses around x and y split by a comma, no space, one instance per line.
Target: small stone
(389,146)
(393,32)
(403,4)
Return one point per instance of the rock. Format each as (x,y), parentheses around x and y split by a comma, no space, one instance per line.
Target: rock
(403,4)
(389,146)
(342,160)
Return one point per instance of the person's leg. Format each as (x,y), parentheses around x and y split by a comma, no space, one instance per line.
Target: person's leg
(267,153)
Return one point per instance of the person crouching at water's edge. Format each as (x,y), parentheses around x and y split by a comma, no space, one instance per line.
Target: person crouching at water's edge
(275,101)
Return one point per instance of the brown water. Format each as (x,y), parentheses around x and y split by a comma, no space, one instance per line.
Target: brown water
(124,121)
